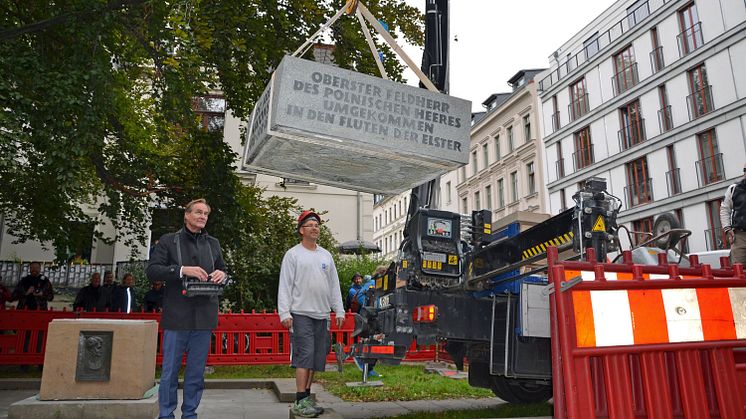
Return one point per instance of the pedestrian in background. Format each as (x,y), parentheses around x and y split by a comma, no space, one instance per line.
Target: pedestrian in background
(733,219)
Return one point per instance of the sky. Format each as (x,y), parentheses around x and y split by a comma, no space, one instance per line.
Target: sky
(497,38)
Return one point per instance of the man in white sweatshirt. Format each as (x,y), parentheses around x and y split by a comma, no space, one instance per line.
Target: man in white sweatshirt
(309,289)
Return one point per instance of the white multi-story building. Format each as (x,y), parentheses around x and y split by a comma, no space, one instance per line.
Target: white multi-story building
(651,96)
(389,216)
(505,171)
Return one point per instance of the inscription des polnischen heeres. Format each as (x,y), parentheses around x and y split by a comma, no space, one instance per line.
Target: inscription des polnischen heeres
(362,107)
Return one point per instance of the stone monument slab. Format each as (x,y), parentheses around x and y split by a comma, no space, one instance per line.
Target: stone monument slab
(325,124)
(98,359)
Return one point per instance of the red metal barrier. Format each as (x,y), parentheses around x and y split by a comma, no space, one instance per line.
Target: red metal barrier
(647,341)
(240,338)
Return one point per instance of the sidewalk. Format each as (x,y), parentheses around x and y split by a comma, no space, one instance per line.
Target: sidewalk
(270,399)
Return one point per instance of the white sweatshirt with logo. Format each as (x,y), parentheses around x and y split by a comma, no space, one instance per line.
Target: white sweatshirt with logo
(309,284)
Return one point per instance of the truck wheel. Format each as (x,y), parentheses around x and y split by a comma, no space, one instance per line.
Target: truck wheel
(517,391)
(665,222)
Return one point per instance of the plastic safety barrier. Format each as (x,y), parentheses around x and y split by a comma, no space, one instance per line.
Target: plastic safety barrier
(240,338)
(660,341)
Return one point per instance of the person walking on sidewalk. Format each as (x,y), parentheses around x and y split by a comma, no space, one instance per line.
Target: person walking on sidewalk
(733,219)
(187,321)
(309,288)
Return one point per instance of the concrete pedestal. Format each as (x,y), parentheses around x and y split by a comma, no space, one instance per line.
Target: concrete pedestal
(132,367)
(33,408)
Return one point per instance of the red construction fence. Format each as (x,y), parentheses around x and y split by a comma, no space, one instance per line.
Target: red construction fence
(240,338)
(633,341)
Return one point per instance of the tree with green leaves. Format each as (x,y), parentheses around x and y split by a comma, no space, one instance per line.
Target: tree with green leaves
(98,112)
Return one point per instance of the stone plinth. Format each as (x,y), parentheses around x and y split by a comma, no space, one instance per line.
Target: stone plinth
(72,375)
(33,408)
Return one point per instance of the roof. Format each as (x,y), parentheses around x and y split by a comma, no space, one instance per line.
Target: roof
(529,75)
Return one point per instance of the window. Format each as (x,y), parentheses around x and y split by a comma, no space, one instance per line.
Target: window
(477,202)
(656,55)
(665,119)
(642,226)
(625,70)
(514,187)
(563,200)
(211,112)
(639,184)
(511,145)
(527,128)
(637,12)
(673,177)
(699,102)
(462,174)
(560,162)
(500,193)
(531,176)
(555,114)
(710,163)
(714,236)
(578,100)
(498,156)
(474,168)
(583,155)
(633,126)
(448,192)
(485,155)
(488,197)
(690,37)
(464,206)
(591,46)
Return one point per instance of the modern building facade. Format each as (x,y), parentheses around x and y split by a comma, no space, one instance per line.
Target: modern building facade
(389,216)
(651,96)
(505,173)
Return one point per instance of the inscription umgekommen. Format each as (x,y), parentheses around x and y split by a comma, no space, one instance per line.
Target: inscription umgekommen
(374,110)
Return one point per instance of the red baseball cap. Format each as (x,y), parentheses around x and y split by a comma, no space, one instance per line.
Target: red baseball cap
(305,215)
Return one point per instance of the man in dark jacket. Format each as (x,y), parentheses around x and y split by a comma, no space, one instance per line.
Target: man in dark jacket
(34,290)
(153,300)
(123,297)
(89,297)
(187,321)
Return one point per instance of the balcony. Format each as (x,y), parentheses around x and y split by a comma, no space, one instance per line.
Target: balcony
(578,107)
(673,182)
(560,166)
(583,157)
(631,134)
(715,239)
(710,170)
(700,102)
(603,40)
(665,119)
(639,193)
(625,79)
(556,121)
(656,59)
(690,39)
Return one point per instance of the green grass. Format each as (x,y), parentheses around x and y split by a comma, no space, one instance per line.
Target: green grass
(403,382)
(502,411)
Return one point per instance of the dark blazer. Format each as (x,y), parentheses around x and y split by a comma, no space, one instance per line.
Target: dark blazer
(179,311)
(119,299)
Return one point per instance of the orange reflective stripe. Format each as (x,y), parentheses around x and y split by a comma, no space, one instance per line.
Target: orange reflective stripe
(624,276)
(381,349)
(717,314)
(585,327)
(648,316)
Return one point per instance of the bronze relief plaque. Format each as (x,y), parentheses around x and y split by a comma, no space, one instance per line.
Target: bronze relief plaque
(94,356)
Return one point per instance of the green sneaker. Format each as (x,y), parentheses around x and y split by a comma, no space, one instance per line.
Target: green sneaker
(315,406)
(305,408)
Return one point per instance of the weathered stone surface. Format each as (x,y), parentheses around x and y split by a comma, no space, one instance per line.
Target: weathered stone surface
(33,408)
(324,124)
(132,360)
